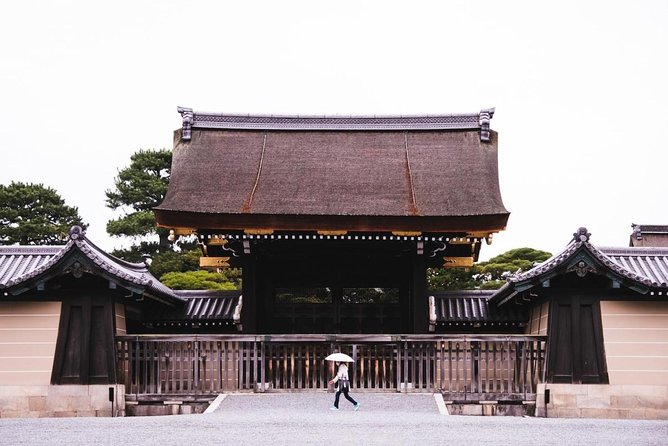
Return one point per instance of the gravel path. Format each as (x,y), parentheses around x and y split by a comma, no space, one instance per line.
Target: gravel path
(305,418)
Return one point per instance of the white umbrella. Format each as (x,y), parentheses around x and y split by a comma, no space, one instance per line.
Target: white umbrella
(339,357)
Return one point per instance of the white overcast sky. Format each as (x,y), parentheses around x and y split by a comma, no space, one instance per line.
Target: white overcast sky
(580,90)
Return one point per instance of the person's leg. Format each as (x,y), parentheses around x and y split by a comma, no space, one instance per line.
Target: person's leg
(336,399)
(348,397)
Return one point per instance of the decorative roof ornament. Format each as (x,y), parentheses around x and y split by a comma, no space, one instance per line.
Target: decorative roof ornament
(485,116)
(581,235)
(188,119)
(581,268)
(77,269)
(76,232)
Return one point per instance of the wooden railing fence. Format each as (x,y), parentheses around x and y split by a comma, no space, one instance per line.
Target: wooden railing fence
(461,367)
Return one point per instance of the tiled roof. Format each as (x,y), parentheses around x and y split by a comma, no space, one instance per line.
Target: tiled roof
(564,256)
(19,264)
(651,263)
(471,307)
(16,261)
(211,305)
(203,305)
(646,267)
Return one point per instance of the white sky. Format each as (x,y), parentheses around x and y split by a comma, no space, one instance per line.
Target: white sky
(580,90)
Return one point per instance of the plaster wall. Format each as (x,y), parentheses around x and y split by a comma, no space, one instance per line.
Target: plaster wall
(635,337)
(28,334)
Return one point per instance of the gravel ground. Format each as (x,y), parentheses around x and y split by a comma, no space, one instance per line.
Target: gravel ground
(305,418)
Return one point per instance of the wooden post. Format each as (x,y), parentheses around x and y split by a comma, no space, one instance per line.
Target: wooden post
(249,307)
(419,304)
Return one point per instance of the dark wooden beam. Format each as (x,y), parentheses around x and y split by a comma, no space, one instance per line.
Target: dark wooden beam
(465,224)
(249,308)
(419,305)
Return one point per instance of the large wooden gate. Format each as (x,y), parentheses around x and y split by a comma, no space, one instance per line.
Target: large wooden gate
(462,368)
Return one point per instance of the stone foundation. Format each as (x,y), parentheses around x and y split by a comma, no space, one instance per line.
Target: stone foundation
(165,408)
(491,408)
(61,401)
(603,401)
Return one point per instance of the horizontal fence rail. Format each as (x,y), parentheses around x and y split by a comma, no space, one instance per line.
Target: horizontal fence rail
(460,367)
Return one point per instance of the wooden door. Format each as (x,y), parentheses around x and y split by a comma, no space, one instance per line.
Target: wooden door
(576,353)
(85,346)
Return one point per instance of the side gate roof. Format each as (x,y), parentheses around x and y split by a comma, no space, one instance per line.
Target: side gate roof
(644,270)
(25,267)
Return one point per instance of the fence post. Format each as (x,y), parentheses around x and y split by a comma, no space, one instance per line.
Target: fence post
(196,365)
(262,366)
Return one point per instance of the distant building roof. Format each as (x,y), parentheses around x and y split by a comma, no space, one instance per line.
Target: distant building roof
(649,235)
(420,173)
(22,266)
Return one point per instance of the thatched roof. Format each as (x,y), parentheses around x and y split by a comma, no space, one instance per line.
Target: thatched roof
(417,173)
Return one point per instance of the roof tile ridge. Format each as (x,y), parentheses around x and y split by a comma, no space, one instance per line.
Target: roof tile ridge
(138,272)
(336,116)
(461,121)
(106,257)
(39,270)
(87,248)
(635,250)
(620,269)
(548,264)
(30,249)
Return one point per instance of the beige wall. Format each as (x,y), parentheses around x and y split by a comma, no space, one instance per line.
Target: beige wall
(635,335)
(121,327)
(28,333)
(538,320)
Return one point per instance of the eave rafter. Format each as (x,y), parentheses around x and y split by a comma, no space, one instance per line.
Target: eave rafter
(226,249)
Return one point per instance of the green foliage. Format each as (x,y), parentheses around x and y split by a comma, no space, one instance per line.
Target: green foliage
(135,253)
(304,296)
(143,184)
(139,188)
(492,284)
(453,279)
(132,225)
(198,280)
(371,295)
(487,275)
(172,261)
(520,259)
(164,261)
(33,214)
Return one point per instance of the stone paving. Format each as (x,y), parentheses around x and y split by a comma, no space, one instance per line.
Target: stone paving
(305,418)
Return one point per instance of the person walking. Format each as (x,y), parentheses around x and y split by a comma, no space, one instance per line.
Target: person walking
(343,386)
